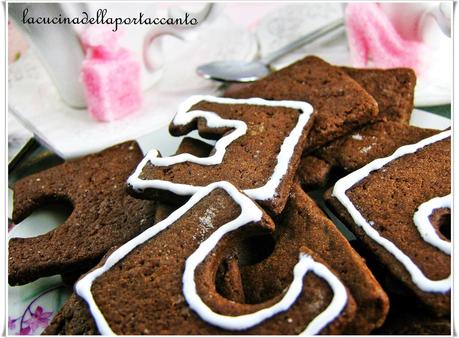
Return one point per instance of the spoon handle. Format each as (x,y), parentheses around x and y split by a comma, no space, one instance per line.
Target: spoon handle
(310,37)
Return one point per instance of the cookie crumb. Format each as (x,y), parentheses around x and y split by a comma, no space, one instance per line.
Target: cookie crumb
(365,150)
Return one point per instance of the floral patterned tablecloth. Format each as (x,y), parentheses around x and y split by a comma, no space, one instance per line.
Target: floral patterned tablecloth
(31,307)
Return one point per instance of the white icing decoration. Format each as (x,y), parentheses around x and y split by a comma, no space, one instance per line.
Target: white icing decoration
(339,191)
(244,322)
(357,137)
(422,222)
(185,116)
(249,213)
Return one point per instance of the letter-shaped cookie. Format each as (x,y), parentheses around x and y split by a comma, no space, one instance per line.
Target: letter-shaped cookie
(103,215)
(302,223)
(228,279)
(163,281)
(258,152)
(387,204)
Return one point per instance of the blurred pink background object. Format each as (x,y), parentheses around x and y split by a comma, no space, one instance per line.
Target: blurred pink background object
(375,42)
(110,75)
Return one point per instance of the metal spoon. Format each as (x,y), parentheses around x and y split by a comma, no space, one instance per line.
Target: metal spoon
(247,71)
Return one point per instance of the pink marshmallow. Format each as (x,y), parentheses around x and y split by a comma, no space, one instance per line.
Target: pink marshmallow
(110,76)
(374,42)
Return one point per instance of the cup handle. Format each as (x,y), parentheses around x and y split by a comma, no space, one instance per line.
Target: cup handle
(150,39)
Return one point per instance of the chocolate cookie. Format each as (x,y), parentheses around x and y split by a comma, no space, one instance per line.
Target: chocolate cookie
(407,316)
(73,319)
(228,278)
(303,224)
(341,104)
(163,210)
(258,152)
(393,90)
(371,142)
(164,279)
(313,172)
(187,145)
(406,319)
(353,151)
(389,203)
(103,214)
(228,282)
(194,147)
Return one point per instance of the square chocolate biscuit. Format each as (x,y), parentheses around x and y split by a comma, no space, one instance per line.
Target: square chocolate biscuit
(341,104)
(398,207)
(393,90)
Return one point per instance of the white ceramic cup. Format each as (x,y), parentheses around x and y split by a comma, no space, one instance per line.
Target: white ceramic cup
(61,53)
(134,37)
(161,53)
(58,47)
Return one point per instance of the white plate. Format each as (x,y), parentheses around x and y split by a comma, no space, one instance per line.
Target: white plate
(286,23)
(38,293)
(423,119)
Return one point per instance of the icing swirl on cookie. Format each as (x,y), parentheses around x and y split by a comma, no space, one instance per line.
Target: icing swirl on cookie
(339,191)
(185,116)
(425,228)
(243,322)
(250,212)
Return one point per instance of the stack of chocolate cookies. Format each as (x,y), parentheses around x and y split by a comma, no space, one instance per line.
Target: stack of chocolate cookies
(224,238)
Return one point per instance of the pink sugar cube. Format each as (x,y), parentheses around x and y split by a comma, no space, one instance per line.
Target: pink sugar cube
(374,42)
(110,76)
(100,36)
(112,87)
